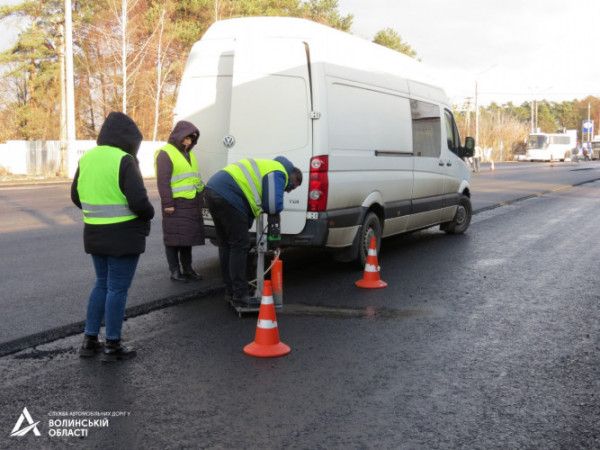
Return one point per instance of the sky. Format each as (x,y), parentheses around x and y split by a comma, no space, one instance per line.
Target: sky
(512,50)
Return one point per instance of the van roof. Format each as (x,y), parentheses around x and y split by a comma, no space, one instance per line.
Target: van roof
(329,45)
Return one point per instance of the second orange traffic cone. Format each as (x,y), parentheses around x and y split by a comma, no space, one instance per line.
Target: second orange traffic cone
(492,168)
(277,281)
(266,342)
(370,278)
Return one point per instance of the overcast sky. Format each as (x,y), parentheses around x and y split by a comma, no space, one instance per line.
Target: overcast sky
(515,49)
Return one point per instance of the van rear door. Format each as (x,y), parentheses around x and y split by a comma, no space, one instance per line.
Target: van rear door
(271,112)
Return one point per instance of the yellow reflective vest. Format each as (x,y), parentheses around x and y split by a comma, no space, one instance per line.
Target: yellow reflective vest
(248,174)
(185,180)
(102,200)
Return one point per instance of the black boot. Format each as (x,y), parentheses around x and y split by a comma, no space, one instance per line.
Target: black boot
(90,346)
(177,276)
(246,301)
(191,274)
(113,351)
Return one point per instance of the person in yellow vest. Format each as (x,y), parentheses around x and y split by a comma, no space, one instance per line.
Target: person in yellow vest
(180,188)
(109,188)
(235,196)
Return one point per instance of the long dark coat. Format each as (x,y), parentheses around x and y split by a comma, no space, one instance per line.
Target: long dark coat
(184,227)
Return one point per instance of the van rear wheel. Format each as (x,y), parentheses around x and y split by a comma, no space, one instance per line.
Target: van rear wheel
(371,228)
(462,218)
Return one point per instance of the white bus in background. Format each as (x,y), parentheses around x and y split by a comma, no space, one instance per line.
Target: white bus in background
(551,146)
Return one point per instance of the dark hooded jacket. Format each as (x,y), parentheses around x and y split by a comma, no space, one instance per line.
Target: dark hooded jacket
(184,227)
(124,238)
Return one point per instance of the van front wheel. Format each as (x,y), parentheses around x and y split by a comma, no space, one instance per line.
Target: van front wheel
(462,218)
(371,228)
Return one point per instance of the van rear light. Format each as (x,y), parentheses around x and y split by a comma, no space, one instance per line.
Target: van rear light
(318,187)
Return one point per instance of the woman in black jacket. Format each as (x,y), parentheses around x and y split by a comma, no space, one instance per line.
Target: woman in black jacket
(109,188)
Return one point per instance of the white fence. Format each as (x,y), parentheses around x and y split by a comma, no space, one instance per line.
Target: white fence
(43,157)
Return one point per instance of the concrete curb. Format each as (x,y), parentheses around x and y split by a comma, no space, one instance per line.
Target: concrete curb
(44,337)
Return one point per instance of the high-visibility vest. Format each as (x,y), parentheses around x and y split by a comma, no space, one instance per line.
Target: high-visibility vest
(185,179)
(248,174)
(102,200)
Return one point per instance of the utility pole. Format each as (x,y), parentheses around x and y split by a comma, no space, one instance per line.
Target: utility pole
(124,53)
(477,104)
(64,146)
(591,129)
(69,102)
(476,116)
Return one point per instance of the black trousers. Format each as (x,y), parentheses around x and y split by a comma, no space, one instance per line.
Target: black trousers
(231,226)
(175,255)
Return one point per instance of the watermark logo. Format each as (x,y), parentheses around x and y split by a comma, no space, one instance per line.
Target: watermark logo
(25,416)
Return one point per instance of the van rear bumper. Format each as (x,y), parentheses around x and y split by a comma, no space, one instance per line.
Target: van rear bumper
(316,231)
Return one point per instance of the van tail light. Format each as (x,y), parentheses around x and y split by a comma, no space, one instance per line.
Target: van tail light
(318,187)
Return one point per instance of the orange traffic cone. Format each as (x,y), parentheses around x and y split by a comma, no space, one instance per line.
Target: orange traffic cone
(266,341)
(492,168)
(277,281)
(551,161)
(370,278)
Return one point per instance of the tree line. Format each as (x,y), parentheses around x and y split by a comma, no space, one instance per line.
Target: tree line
(129,56)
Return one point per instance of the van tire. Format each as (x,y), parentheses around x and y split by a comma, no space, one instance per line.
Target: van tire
(462,218)
(371,228)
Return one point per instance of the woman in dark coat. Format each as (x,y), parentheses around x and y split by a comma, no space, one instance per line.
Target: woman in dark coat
(180,189)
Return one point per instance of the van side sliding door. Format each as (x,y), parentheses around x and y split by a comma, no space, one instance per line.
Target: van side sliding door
(429,166)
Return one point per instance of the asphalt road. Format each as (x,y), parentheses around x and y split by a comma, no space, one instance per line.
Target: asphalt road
(46,277)
(485,340)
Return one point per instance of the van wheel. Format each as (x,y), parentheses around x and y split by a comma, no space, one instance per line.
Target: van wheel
(462,218)
(371,228)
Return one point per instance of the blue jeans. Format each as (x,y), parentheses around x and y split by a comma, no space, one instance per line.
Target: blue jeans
(108,297)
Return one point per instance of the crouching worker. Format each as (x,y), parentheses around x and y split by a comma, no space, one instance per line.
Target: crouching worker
(180,189)
(235,196)
(109,188)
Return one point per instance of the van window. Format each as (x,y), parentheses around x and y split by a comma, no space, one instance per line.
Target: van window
(366,119)
(452,135)
(426,127)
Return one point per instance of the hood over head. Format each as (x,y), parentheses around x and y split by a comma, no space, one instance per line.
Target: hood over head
(119,130)
(182,130)
(286,163)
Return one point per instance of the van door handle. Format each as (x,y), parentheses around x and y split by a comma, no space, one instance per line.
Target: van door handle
(449,164)
(441,163)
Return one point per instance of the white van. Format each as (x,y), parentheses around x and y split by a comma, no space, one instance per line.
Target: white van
(376,142)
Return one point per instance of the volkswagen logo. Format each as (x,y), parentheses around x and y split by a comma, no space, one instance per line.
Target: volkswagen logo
(228,141)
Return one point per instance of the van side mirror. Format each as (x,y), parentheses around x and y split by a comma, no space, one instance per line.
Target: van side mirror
(469,148)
